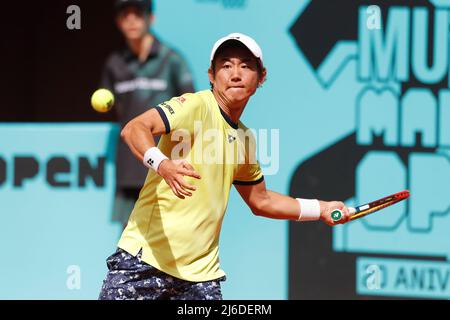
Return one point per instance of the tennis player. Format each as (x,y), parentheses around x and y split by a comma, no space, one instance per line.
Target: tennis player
(170,247)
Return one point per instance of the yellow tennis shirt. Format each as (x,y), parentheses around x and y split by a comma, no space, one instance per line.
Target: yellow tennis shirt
(181,236)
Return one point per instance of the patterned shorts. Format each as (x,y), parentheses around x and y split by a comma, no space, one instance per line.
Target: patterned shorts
(129,278)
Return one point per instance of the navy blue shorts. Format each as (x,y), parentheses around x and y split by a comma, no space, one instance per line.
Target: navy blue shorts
(129,278)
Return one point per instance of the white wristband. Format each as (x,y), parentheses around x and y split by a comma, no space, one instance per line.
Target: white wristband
(309,209)
(153,157)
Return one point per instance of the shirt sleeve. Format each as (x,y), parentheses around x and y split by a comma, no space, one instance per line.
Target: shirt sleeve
(249,175)
(182,112)
(249,171)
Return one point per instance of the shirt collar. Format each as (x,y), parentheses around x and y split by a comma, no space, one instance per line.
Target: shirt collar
(154,51)
(232,124)
(156,47)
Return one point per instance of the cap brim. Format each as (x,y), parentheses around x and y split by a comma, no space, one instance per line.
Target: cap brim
(244,40)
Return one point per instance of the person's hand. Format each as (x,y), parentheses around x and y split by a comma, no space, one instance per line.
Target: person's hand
(173,171)
(327,207)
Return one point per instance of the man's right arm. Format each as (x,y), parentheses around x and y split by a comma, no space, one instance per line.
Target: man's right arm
(138,135)
(139,132)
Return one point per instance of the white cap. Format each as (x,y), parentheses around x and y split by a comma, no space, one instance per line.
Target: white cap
(244,39)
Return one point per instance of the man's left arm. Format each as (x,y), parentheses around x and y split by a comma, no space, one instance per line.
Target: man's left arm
(274,205)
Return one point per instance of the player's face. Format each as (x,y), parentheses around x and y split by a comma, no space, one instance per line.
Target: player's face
(236,74)
(133,22)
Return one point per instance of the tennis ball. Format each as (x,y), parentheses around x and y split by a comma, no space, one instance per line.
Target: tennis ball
(102,100)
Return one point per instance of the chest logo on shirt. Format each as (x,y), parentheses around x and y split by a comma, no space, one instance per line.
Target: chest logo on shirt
(181,100)
(140,83)
(231,138)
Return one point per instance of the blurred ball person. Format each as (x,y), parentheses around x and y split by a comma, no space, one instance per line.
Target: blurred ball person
(141,75)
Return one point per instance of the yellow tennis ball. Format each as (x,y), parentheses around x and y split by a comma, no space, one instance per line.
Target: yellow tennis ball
(102,100)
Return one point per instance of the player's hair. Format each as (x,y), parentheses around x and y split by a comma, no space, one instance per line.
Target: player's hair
(229,44)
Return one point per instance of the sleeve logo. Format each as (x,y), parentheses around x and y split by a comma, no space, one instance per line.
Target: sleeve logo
(168,107)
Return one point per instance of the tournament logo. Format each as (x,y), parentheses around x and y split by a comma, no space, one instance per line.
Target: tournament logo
(395,57)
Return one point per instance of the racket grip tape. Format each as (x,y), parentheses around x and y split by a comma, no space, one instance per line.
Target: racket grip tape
(337,214)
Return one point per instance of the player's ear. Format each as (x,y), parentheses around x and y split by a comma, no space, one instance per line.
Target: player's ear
(262,79)
(211,75)
(117,22)
(151,19)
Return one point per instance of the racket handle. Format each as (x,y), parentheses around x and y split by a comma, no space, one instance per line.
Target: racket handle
(337,214)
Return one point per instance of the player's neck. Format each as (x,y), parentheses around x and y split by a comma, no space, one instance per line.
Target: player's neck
(141,47)
(232,110)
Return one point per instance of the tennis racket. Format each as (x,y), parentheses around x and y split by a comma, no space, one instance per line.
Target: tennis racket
(371,207)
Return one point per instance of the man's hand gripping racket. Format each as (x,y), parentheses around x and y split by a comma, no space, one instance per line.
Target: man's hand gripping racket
(371,207)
